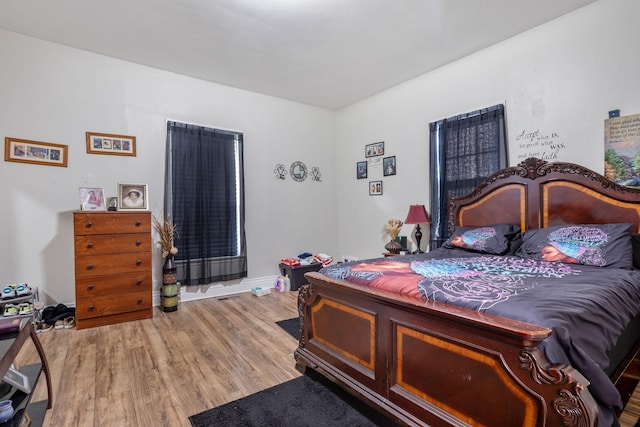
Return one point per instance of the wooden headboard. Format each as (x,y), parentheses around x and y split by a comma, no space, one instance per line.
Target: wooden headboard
(537,194)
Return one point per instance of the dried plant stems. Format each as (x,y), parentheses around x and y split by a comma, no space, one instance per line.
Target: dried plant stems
(392,228)
(166,231)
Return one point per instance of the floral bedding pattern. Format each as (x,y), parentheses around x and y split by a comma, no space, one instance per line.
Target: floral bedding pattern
(586,307)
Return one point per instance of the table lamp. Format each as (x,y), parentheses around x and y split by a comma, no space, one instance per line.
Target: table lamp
(417,215)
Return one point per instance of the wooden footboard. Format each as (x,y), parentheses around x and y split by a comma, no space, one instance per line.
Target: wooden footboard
(428,363)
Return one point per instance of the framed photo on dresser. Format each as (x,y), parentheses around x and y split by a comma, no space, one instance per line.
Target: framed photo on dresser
(132,197)
(92,199)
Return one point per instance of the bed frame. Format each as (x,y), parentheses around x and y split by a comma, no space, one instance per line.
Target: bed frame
(430,363)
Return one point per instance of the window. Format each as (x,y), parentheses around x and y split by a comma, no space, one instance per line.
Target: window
(464,151)
(204,194)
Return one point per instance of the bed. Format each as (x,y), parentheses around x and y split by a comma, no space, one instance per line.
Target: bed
(429,357)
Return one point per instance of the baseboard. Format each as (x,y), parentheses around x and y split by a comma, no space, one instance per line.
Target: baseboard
(214,290)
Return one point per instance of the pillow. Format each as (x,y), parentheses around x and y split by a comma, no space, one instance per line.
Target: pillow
(601,245)
(496,239)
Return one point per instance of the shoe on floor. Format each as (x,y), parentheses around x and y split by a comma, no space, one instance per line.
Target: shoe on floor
(70,322)
(43,327)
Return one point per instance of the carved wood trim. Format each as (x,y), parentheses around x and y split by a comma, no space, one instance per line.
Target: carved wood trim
(569,404)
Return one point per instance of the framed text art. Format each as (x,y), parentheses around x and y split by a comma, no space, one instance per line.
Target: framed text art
(115,145)
(40,153)
(375,149)
(132,197)
(375,188)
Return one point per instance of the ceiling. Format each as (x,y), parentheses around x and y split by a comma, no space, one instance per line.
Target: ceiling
(327,53)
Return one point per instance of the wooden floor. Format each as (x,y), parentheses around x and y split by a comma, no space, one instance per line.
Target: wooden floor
(158,372)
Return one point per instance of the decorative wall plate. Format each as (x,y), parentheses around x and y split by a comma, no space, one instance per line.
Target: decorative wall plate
(298,171)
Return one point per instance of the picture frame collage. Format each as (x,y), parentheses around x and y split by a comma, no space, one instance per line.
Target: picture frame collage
(373,152)
(129,196)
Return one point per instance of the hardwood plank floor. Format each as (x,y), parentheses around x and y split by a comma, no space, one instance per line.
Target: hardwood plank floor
(159,371)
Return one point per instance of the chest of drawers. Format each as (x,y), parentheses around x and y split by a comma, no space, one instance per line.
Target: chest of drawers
(112,267)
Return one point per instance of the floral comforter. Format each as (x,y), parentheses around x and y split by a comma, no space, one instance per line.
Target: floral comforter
(587,308)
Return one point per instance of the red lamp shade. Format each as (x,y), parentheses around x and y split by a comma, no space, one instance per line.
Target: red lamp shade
(417,215)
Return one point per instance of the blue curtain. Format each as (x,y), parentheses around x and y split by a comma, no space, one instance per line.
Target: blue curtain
(463,151)
(204,192)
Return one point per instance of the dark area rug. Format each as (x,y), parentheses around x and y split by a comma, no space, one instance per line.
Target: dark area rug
(292,326)
(310,400)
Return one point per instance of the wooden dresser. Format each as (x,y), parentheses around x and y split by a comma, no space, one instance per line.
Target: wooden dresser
(113,267)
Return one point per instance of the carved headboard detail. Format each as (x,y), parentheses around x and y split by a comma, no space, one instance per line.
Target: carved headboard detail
(538,194)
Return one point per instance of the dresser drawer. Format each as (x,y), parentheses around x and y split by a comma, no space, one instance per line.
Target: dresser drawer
(99,244)
(102,265)
(111,222)
(114,284)
(113,261)
(112,304)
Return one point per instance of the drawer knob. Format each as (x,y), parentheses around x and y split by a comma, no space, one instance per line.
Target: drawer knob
(139,282)
(139,262)
(89,245)
(88,224)
(91,308)
(139,301)
(138,242)
(90,287)
(89,266)
(138,223)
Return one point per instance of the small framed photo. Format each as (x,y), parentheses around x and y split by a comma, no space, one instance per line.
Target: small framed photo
(375,149)
(361,170)
(92,199)
(26,420)
(389,166)
(113,204)
(132,197)
(375,188)
(115,145)
(18,379)
(39,153)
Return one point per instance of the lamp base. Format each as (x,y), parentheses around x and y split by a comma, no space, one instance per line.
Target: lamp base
(418,238)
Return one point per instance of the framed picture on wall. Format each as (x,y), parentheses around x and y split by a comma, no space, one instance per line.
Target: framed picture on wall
(375,149)
(132,197)
(361,170)
(375,188)
(40,153)
(107,143)
(389,166)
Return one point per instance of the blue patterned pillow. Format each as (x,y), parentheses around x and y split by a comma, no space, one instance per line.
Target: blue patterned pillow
(496,239)
(600,245)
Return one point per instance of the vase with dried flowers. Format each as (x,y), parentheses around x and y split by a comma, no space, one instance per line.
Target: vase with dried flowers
(392,229)
(166,232)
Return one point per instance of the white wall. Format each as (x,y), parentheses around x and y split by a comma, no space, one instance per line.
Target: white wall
(559,79)
(55,94)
